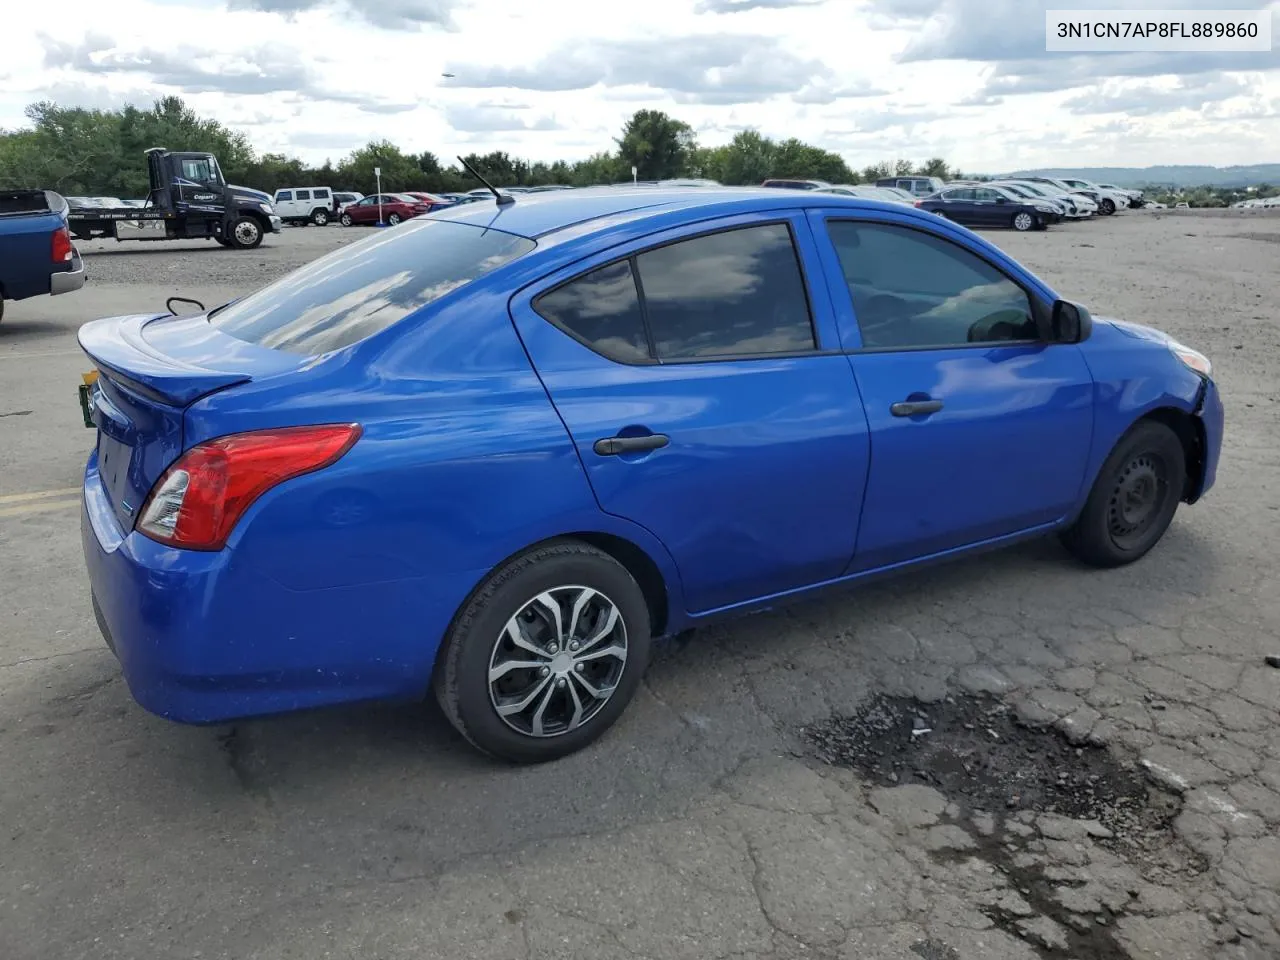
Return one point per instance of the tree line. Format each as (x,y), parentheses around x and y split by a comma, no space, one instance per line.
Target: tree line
(81,152)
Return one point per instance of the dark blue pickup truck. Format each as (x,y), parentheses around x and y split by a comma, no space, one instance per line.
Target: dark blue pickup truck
(37,255)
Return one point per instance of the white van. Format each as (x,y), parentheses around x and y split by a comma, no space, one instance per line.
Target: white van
(305,205)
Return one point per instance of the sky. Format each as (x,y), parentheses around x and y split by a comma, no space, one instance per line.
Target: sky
(967,80)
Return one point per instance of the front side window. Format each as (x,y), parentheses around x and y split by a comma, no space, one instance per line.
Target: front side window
(284,195)
(913,289)
(734,293)
(199,170)
(359,290)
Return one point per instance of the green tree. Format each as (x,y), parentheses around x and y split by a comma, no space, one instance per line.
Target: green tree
(936,167)
(657,145)
(877,171)
(749,159)
(598,168)
(399,170)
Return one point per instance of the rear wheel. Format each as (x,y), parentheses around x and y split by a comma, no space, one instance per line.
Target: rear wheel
(1023,221)
(320,216)
(1133,499)
(393,219)
(546,654)
(1108,206)
(246,233)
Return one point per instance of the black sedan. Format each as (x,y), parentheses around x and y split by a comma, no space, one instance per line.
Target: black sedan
(985,206)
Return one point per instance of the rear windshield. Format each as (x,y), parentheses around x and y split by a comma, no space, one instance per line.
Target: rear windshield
(357,291)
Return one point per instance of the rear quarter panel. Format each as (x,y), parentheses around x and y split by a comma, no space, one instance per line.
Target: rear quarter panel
(463,462)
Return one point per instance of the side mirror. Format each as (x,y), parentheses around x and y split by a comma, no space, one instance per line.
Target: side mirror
(1002,199)
(1070,322)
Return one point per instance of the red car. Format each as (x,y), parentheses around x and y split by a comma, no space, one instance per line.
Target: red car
(394,208)
(429,198)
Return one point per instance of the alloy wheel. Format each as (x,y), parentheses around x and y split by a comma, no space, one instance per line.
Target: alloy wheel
(558,661)
(1023,221)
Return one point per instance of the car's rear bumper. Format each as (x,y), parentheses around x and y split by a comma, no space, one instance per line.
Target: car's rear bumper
(68,280)
(204,637)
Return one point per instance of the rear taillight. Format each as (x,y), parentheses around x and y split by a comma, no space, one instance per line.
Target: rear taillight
(196,502)
(62,251)
(918,202)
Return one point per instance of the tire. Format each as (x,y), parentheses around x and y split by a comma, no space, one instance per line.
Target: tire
(539,721)
(246,233)
(393,218)
(1022,222)
(320,217)
(1133,500)
(1108,206)
(345,219)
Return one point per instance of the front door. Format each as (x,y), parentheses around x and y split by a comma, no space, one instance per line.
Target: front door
(691,375)
(199,187)
(980,428)
(364,211)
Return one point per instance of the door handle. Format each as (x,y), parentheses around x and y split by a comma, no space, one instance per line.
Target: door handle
(612,446)
(915,408)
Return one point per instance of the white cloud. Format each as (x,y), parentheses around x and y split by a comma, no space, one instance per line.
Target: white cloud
(873,79)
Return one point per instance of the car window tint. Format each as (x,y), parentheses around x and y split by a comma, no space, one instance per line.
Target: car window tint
(912,289)
(322,195)
(739,292)
(304,194)
(602,309)
(284,195)
(358,290)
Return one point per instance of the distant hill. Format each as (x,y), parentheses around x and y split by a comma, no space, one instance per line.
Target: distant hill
(1171,176)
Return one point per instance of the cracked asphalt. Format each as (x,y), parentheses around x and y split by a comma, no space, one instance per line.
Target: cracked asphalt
(701,826)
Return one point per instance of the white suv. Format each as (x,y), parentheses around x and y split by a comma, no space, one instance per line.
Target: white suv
(305,205)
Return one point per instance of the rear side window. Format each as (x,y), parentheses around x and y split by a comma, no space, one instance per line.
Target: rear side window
(911,289)
(359,290)
(735,293)
(602,309)
(322,195)
(284,195)
(304,194)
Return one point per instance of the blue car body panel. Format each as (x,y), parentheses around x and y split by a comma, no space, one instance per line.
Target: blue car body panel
(783,475)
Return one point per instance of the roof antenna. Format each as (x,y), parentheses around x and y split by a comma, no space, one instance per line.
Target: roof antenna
(503,198)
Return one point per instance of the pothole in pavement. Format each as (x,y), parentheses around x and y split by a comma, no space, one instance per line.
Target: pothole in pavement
(1000,772)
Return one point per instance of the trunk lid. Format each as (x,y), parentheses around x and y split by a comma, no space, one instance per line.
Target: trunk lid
(150,369)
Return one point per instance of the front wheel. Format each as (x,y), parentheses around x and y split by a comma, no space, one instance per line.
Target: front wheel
(1133,499)
(1023,222)
(246,233)
(345,219)
(546,654)
(1108,206)
(320,216)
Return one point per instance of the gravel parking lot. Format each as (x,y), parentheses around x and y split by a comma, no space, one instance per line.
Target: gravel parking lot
(1012,757)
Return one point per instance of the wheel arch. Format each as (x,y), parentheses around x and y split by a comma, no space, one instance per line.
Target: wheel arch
(636,560)
(1191,434)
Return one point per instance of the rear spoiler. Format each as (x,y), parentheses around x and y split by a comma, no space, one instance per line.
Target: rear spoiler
(117,348)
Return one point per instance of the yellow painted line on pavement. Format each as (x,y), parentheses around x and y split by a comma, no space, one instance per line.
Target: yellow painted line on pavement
(39,495)
(40,506)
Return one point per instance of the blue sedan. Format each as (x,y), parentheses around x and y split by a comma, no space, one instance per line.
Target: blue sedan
(495,450)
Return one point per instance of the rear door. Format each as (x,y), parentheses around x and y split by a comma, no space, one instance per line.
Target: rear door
(979,428)
(703,386)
